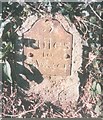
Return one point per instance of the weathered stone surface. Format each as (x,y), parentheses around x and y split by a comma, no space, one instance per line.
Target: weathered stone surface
(55,56)
(52,49)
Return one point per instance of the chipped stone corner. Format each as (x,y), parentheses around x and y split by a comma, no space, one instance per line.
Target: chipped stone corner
(27,24)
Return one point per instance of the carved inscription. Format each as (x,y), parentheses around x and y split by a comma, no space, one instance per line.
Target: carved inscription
(49,47)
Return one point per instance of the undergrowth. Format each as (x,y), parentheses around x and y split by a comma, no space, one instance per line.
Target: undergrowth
(88,19)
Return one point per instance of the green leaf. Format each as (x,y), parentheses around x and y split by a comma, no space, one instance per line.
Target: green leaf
(93,19)
(1,54)
(8,33)
(7,71)
(97,109)
(98,88)
(94,85)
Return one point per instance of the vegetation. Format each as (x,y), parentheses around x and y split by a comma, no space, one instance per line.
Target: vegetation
(88,19)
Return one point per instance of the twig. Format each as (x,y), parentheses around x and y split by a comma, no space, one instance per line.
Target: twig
(92,24)
(40,5)
(36,10)
(82,20)
(25,112)
(80,109)
(9,14)
(95,13)
(97,58)
(85,27)
(9,115)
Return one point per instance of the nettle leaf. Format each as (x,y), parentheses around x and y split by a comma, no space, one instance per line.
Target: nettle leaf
(7,71)
(98,88)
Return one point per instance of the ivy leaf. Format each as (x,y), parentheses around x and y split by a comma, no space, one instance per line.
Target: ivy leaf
(7,71)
